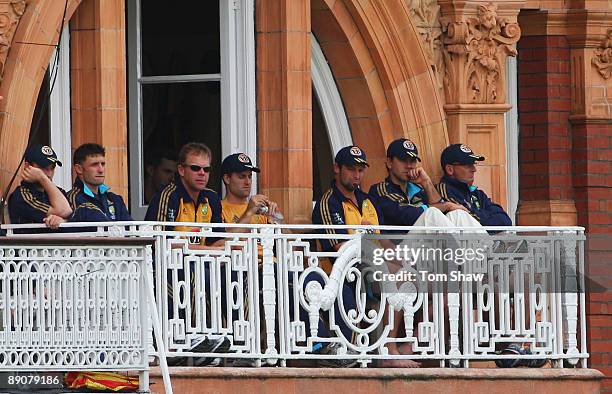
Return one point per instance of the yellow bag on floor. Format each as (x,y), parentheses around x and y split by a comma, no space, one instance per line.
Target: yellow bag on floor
(102,381)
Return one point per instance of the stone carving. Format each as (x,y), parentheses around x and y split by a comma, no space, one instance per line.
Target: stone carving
(603,56)
(476,50)
(425,16)
(10,13)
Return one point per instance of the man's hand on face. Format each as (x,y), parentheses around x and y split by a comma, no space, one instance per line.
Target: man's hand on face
(53,221)
(419,176)
(33,174)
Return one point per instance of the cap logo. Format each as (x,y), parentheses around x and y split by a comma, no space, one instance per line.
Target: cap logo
(46,150)
(243,158)
(355,151)
(409,145)
(465,149)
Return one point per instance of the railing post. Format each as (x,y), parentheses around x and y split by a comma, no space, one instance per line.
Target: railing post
(570,296)
(269,291)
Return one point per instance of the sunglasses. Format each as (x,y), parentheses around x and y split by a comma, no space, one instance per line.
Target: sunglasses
(196,168)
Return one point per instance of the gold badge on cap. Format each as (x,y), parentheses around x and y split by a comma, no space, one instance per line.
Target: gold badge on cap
(355,151)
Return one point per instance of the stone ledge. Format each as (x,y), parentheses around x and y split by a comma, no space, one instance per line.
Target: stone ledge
(384,373)
(378,380)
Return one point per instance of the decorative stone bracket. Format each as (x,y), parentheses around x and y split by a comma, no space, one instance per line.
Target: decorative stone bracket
(475,53)
(11,12)
(425,15)
(603,56)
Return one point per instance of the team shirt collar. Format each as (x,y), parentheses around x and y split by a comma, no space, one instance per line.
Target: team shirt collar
(102,189)
(359,194)
(458,183)
(182,192)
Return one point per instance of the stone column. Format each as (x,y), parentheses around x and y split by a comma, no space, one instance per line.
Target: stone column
(478,37)
(284,105)
(98,79)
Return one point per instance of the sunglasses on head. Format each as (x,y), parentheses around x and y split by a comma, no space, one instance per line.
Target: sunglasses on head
(196,168)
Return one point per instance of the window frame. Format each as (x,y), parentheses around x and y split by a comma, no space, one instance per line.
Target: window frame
(237,80)
(60,128)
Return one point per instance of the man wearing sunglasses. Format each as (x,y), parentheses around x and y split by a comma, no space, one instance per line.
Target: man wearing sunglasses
(188,200)
(457,185)
(37,199)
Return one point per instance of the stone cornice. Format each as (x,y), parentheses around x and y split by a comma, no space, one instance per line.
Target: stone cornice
(476,108)
(583,119)
(583,28)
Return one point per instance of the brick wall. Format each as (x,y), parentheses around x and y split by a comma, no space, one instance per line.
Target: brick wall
(565,158)
(544,108)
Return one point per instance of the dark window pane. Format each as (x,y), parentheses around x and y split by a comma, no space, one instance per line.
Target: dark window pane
(322,162)
(178,113)
(180,38)
(40,118)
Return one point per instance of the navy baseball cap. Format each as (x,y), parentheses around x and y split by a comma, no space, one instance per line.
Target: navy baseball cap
(238,162)
(350,156)
(403,149)
(42,155)
(459,154)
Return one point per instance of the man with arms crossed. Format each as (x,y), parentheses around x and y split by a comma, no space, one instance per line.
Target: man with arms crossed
(408,197)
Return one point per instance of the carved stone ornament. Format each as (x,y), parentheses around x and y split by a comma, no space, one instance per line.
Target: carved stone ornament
(425,15)
(603,56)
(10,14)
(476,51)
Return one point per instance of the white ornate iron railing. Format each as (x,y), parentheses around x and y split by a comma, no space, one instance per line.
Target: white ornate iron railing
(257,291)
(67,306)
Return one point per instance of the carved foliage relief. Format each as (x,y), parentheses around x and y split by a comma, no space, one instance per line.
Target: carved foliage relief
(10,13)
(603,56)
(475,55)
(425,15)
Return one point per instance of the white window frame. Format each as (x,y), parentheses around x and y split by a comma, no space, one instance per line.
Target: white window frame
(512,136)
(328,96)
(59,113)
(237,79)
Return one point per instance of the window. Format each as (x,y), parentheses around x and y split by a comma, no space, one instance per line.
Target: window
(54,128)
(191,78)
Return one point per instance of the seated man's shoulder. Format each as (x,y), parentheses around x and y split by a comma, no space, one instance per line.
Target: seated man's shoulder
(116,198)
(212,196)
(167,191)
(326,199)
(377,189)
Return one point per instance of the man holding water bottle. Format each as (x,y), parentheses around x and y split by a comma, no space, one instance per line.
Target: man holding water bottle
(238,172)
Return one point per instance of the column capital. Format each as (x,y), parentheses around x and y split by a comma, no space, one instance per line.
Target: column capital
(478,37)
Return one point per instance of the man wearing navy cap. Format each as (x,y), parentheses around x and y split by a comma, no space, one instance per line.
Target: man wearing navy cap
(37,199)
(345,203)
(237,172)
(408,197)
(457,185)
